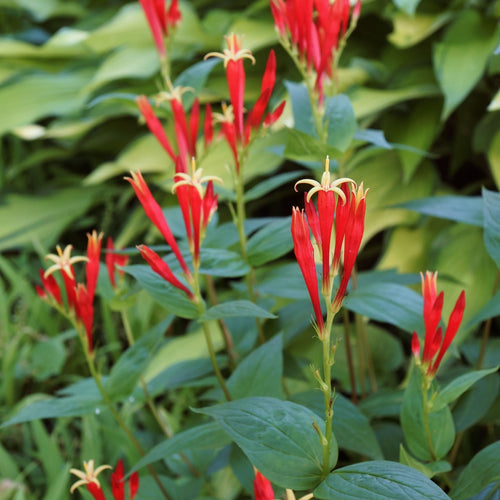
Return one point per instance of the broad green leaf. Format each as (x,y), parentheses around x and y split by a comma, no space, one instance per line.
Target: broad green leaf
(270,184)
(301,107)
(352,429)
(278,438)
(260,373)
(340,122)
(380,480)
(460,59)
(31,97)
(203,437)
(374,137)
(220,262)
(428,469)
(412,29)
(476,402)
(270,242)
(467,209)
(8,466)
(483,469)
(383,403)
(441,428)
(47,451)
(126,372)
(458,386)
(388,302)
(300,146)
(28,219)
(495,103)
(47,357)
(59,487)
(259,33)
(235,308)
(368,101)
(491,212)
(168,296)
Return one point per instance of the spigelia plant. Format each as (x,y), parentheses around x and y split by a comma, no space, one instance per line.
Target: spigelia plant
(252,327)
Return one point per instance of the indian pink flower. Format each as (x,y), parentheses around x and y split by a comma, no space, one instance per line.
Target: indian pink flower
(315,29)
(155,214)
(237,128)
(338,217)
(113,260)
(161,20)
(263,489)
(435,346)
(197,205)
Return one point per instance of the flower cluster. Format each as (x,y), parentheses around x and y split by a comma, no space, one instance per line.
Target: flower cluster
(339,217)
(435,346)
(313,30)
(79,303)
(161,21)
(186,127)
(88,477)
(236,127)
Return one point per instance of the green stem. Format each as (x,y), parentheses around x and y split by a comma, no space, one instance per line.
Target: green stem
(109,403)
(425,408)
(487,328)
(350,363)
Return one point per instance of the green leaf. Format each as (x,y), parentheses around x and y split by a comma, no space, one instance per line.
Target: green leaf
(387,302)
(467,209)
(352,429)
(260,373)
(429,469)
(47,451)
(441,428)
(277,437)
(378,480)
(202,437)
(374,137)
(301,108)
(301,146)
(460,59)
(458,386)
(25,219)
(8,466)
(235,308)
(128,369)
(490,310)
(483,469)
(270,242)
(340,122)
(494,157)
(221,262)
(270,184)
(168,296)
(491,212)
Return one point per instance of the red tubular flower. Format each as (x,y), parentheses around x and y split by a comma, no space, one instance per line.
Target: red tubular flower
(118,484)
(262,488)
(435,346)
(155,214)
(85,311)
(154,124)
(96,491)
(304,253)
(314,29)
(93,258)
(161,20)
(49,288)
(112,260)
(159,266)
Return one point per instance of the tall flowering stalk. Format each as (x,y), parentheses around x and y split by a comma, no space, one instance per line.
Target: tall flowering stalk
(314,33)
(339,218)
(198,204)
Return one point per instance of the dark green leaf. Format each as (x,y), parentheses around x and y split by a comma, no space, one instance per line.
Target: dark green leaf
(490,310)
(301,107)
(277,437)
(168,296)
(235,308)
(388,302)
(340,122)
(467,209)
(380,480)
(491,212)
(483,469)
(374,137)
(270,184)
(304,147)
(195,78)
(270,242)
(220,262)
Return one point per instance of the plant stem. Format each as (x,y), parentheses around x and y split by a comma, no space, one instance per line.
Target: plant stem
(350,363)
(425,409)
(109,403)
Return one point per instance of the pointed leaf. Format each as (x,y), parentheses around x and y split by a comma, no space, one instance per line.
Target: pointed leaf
(340,122)
(235,308)
(491,212)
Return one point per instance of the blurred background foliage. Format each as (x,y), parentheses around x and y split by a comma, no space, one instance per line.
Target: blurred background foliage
(424,72)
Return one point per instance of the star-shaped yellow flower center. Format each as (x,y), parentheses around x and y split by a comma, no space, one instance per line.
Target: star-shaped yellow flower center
(196,179)
(233,51)
(326,183)
(88,475)
(63,261)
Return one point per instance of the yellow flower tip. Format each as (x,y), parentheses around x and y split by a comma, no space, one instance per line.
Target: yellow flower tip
(63,261)
(234,52)
(196,179)
(88,475)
